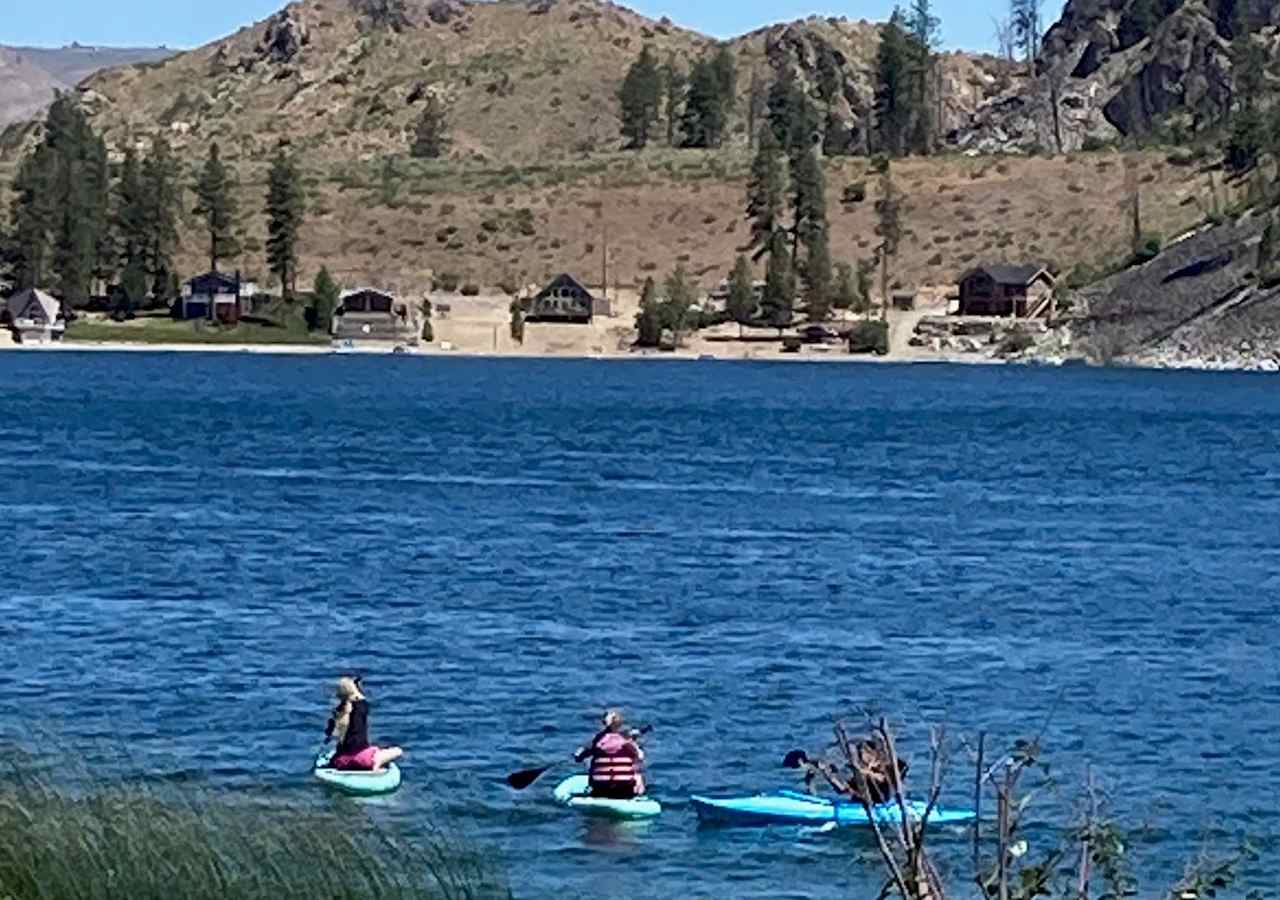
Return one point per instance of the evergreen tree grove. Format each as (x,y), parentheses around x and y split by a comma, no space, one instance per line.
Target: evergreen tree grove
(216,206)
(810,230)
(60,235)
(709,99)
(285,208)
(895,98)
(640,100)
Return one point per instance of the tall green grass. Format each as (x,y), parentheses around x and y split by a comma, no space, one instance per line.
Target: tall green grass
(97,840)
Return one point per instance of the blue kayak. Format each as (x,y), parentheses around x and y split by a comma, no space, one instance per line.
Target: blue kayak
(794,808)
(574,793)
(354,782)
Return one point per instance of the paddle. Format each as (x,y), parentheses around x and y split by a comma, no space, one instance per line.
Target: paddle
(525,777)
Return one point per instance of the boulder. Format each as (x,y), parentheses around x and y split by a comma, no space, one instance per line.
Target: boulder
(284,36)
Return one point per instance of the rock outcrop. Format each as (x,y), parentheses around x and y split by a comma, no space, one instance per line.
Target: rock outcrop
(284,36)
(833,61)
(1199,304)
(1117,68)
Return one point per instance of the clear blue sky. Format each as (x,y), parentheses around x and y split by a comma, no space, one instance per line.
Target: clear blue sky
(184,23)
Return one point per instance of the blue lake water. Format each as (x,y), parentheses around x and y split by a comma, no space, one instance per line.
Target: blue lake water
(197,544)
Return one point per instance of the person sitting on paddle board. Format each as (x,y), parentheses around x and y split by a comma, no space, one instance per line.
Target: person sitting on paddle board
(349,725)
(616,761)
(870,759)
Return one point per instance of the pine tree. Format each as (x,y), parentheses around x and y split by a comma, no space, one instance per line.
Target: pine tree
(132,228)
(808,196)
(99,191)
(32,216)
(1026,18)
(674,84)
(709,99)
(925,36)
(757,106)
(162,193)
(649,318)
(766,192)
(640,100)
(778,300)
(889,214)
(286,206)
(133,285)
(894,88)
(726,72)
(741,305)
(216,205)
(679,300)
(325,296)
(844,294)
(792,116)
(431,134)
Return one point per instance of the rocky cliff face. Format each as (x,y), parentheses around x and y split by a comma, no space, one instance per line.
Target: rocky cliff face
(1200,303)
(834,60)
(1113,68)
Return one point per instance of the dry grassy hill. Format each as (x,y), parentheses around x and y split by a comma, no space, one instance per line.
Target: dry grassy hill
(536,185)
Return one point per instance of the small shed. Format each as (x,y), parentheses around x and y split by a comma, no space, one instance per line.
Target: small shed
(35,317)
(1009,291)
(214,296)
(563,301)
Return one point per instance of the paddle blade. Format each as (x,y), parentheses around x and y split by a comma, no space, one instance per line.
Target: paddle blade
(522,779)
(795,759)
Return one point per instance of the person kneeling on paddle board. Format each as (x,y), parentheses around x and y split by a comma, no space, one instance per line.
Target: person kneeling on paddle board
(872,763)
(616,761)
(349,725)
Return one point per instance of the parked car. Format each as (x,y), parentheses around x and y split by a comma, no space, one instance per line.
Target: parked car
(818,334)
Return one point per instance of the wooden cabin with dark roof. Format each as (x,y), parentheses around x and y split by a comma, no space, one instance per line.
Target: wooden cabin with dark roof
(1023,292)
(564,301)
(34,317)
(367,314)
(214,296)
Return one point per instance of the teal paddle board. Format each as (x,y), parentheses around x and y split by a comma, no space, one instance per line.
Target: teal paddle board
(794,808)
(574,793)
(356,783)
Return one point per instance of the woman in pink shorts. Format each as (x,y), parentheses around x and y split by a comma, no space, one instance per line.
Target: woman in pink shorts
(349,725)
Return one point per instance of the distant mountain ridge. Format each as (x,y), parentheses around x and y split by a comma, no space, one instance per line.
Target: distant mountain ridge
(29,76)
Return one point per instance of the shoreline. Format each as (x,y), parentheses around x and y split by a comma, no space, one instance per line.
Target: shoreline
(834,358)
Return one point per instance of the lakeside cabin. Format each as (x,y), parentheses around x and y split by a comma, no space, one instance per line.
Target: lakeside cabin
(563,301)
(35,317)
(367,314)
(1022,292)
(215,297)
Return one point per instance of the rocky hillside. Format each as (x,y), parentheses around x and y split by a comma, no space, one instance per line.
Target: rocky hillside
(526,80)
(30,75)
(1115,68)
(1200,303)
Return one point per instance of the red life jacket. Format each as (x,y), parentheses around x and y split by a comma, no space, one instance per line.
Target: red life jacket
(614,759)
